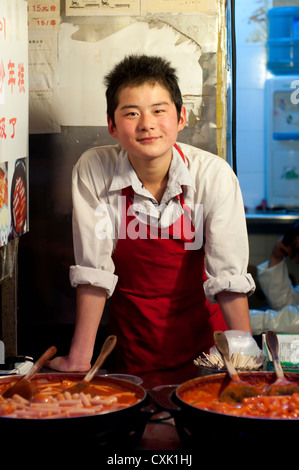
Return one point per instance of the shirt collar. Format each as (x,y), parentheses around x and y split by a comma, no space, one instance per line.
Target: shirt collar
(179,176)
(125,176)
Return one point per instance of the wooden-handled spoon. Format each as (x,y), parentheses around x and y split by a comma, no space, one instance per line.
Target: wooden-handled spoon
(281,386)
(236,390)
(23,386)
(107,347)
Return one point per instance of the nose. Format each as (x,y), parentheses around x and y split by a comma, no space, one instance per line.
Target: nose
(146,122)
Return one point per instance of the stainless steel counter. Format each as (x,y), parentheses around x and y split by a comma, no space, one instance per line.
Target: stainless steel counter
(270,220)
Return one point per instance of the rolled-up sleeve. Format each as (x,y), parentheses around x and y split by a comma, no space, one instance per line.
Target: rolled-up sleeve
(276,285)
(93,254)
(226,239)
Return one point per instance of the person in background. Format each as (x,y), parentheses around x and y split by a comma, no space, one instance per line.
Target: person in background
(282,315)
(159,228)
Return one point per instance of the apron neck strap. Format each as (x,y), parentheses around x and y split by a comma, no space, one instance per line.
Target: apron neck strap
(180,152)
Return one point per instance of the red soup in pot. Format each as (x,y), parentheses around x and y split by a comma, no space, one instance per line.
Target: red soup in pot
(54,401)
(204,394)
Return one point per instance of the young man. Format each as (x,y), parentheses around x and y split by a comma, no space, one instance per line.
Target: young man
(173,254)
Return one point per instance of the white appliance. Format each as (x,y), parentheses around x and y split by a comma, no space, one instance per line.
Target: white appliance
(282,141)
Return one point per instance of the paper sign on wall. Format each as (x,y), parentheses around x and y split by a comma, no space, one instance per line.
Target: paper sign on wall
(13,119)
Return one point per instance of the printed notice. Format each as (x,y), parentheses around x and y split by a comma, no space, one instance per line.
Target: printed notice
(102,7)
(43,14)
(43,73)
(44,23)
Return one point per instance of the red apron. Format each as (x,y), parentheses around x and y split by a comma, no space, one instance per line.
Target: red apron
(159,311)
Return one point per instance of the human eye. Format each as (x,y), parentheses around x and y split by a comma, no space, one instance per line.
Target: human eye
(131,114)
(159,111)
(129,111)
(160,108)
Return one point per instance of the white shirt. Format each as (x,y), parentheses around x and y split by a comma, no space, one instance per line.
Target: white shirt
(209,183)
(282,315)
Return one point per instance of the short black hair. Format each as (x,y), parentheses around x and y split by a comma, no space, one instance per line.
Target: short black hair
(135,70)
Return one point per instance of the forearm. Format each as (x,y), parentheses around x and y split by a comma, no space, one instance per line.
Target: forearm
(235,310)
(90,306)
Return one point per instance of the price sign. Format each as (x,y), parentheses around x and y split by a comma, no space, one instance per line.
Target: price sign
(13,119)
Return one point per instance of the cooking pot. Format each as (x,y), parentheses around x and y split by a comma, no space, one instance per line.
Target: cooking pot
(115,429)
(198,427)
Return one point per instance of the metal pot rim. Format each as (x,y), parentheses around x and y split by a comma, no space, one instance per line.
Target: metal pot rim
(211,378)
(127,385)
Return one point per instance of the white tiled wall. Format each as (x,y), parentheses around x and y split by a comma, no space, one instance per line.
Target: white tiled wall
(251,55)
(251,37)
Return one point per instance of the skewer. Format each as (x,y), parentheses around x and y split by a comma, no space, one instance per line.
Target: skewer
(215,361)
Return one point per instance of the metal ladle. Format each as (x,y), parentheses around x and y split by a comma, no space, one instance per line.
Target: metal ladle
(24,387)
(281,386)
(236,390)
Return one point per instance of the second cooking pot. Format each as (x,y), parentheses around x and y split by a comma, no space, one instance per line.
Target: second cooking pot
(197,426)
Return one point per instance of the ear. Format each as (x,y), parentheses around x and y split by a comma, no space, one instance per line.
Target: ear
(183,118)
(111,128)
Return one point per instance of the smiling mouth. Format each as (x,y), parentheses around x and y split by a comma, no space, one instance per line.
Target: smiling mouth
(146,140)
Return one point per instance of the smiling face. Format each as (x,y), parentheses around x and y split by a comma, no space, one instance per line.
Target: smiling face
(146,122)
